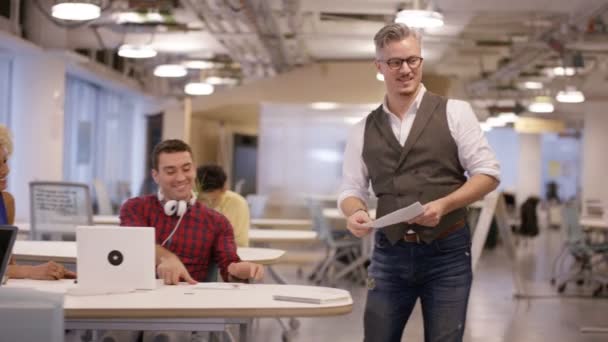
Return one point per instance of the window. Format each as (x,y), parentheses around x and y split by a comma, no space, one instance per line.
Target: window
(99,125)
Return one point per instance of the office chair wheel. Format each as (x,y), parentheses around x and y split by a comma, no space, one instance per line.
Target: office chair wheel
(552,281)
(294,323)
(299,273)
(597,292)
(580,282)
(287,336)
(561,288)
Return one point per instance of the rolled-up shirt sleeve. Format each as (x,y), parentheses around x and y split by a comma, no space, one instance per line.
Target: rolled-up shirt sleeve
(474,152)
(355,177)
(224,247)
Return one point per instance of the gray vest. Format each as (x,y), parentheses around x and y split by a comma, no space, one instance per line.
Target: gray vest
(424,169)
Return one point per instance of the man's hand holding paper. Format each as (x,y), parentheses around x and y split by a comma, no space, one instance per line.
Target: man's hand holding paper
(358,222)
(433,211)
(407,214)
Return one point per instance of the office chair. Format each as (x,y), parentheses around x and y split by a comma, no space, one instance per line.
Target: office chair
(585,257)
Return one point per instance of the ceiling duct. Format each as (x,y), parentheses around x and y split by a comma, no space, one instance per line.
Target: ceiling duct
(251,32)
(556,38)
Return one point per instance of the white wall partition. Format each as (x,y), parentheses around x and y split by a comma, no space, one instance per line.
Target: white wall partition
(38,89)
(301,149)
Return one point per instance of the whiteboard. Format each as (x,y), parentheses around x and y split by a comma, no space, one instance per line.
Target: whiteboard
(58,207)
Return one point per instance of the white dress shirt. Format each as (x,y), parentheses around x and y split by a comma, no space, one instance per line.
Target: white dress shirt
(474,153)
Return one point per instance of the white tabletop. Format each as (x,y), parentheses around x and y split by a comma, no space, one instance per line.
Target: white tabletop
(65,251)
(249,300)
(594,222)
(106,219)
(279,235)
(281,223)
(334,213)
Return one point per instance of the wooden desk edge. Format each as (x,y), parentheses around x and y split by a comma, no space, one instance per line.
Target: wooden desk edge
(83,314)
(44,258)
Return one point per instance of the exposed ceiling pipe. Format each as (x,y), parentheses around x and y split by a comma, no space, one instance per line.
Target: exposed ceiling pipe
(243,47)
(15,17)
(260,16)
(531,54)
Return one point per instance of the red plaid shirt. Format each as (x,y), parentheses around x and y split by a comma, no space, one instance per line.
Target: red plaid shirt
(203,233)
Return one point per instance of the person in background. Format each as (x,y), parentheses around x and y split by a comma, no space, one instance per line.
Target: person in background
(47,271)
(215,194)
(416,146)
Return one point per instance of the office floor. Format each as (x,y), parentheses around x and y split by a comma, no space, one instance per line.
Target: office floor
(494,315)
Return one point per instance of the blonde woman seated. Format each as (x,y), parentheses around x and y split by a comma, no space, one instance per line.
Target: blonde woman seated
(46,271)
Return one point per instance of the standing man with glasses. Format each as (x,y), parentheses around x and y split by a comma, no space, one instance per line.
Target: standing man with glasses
(416,146)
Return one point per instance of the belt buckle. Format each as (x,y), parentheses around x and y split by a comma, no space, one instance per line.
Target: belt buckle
(414,233)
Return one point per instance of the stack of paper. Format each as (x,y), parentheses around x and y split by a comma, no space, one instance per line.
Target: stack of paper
(313,295)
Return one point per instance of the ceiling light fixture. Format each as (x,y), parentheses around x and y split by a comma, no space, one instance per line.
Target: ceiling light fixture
(495,121)
(194,64)
(564,71)
(535,85)
(508,117)
(541,104)
(422,19)
(77,10)
(570,95)
(170,70)
(136,51)
(215,80)
(324,105)
(198,88)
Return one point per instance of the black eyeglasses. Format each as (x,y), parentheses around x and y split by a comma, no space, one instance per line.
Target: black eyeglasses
(395,63)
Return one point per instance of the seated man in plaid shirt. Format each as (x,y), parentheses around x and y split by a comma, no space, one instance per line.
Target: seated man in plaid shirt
(188,234)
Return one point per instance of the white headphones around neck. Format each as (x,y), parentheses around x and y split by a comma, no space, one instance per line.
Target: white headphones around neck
(173,207)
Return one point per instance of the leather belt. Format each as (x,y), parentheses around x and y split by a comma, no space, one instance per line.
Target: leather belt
(414,237)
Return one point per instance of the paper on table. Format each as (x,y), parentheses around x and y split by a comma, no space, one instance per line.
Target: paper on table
(220,286)
(397,216)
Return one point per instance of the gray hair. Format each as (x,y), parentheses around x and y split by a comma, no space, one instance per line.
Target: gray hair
(395,32)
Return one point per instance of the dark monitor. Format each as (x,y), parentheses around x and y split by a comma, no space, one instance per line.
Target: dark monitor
(7,239)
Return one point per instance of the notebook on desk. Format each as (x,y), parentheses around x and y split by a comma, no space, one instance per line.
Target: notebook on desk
(319,295)
(7,239)
(113,259)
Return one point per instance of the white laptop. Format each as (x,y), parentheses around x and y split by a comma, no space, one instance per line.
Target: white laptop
(113,259)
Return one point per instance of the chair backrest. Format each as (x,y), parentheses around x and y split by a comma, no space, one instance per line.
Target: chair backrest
(58,207)
(30,315)
(572,226)
(320,224)
(238,186)
(104,205)
(257,205)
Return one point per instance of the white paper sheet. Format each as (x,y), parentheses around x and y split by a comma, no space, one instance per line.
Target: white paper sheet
(398,216)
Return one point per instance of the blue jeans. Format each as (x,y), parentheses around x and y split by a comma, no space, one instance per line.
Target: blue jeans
(438,273)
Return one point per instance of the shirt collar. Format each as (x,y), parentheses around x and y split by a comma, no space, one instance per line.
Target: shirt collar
(413,107)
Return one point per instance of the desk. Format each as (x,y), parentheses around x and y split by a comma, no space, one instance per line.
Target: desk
(594,222)
(279,235)
(65,251)
(110,220)
(281,223)
(183,307)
